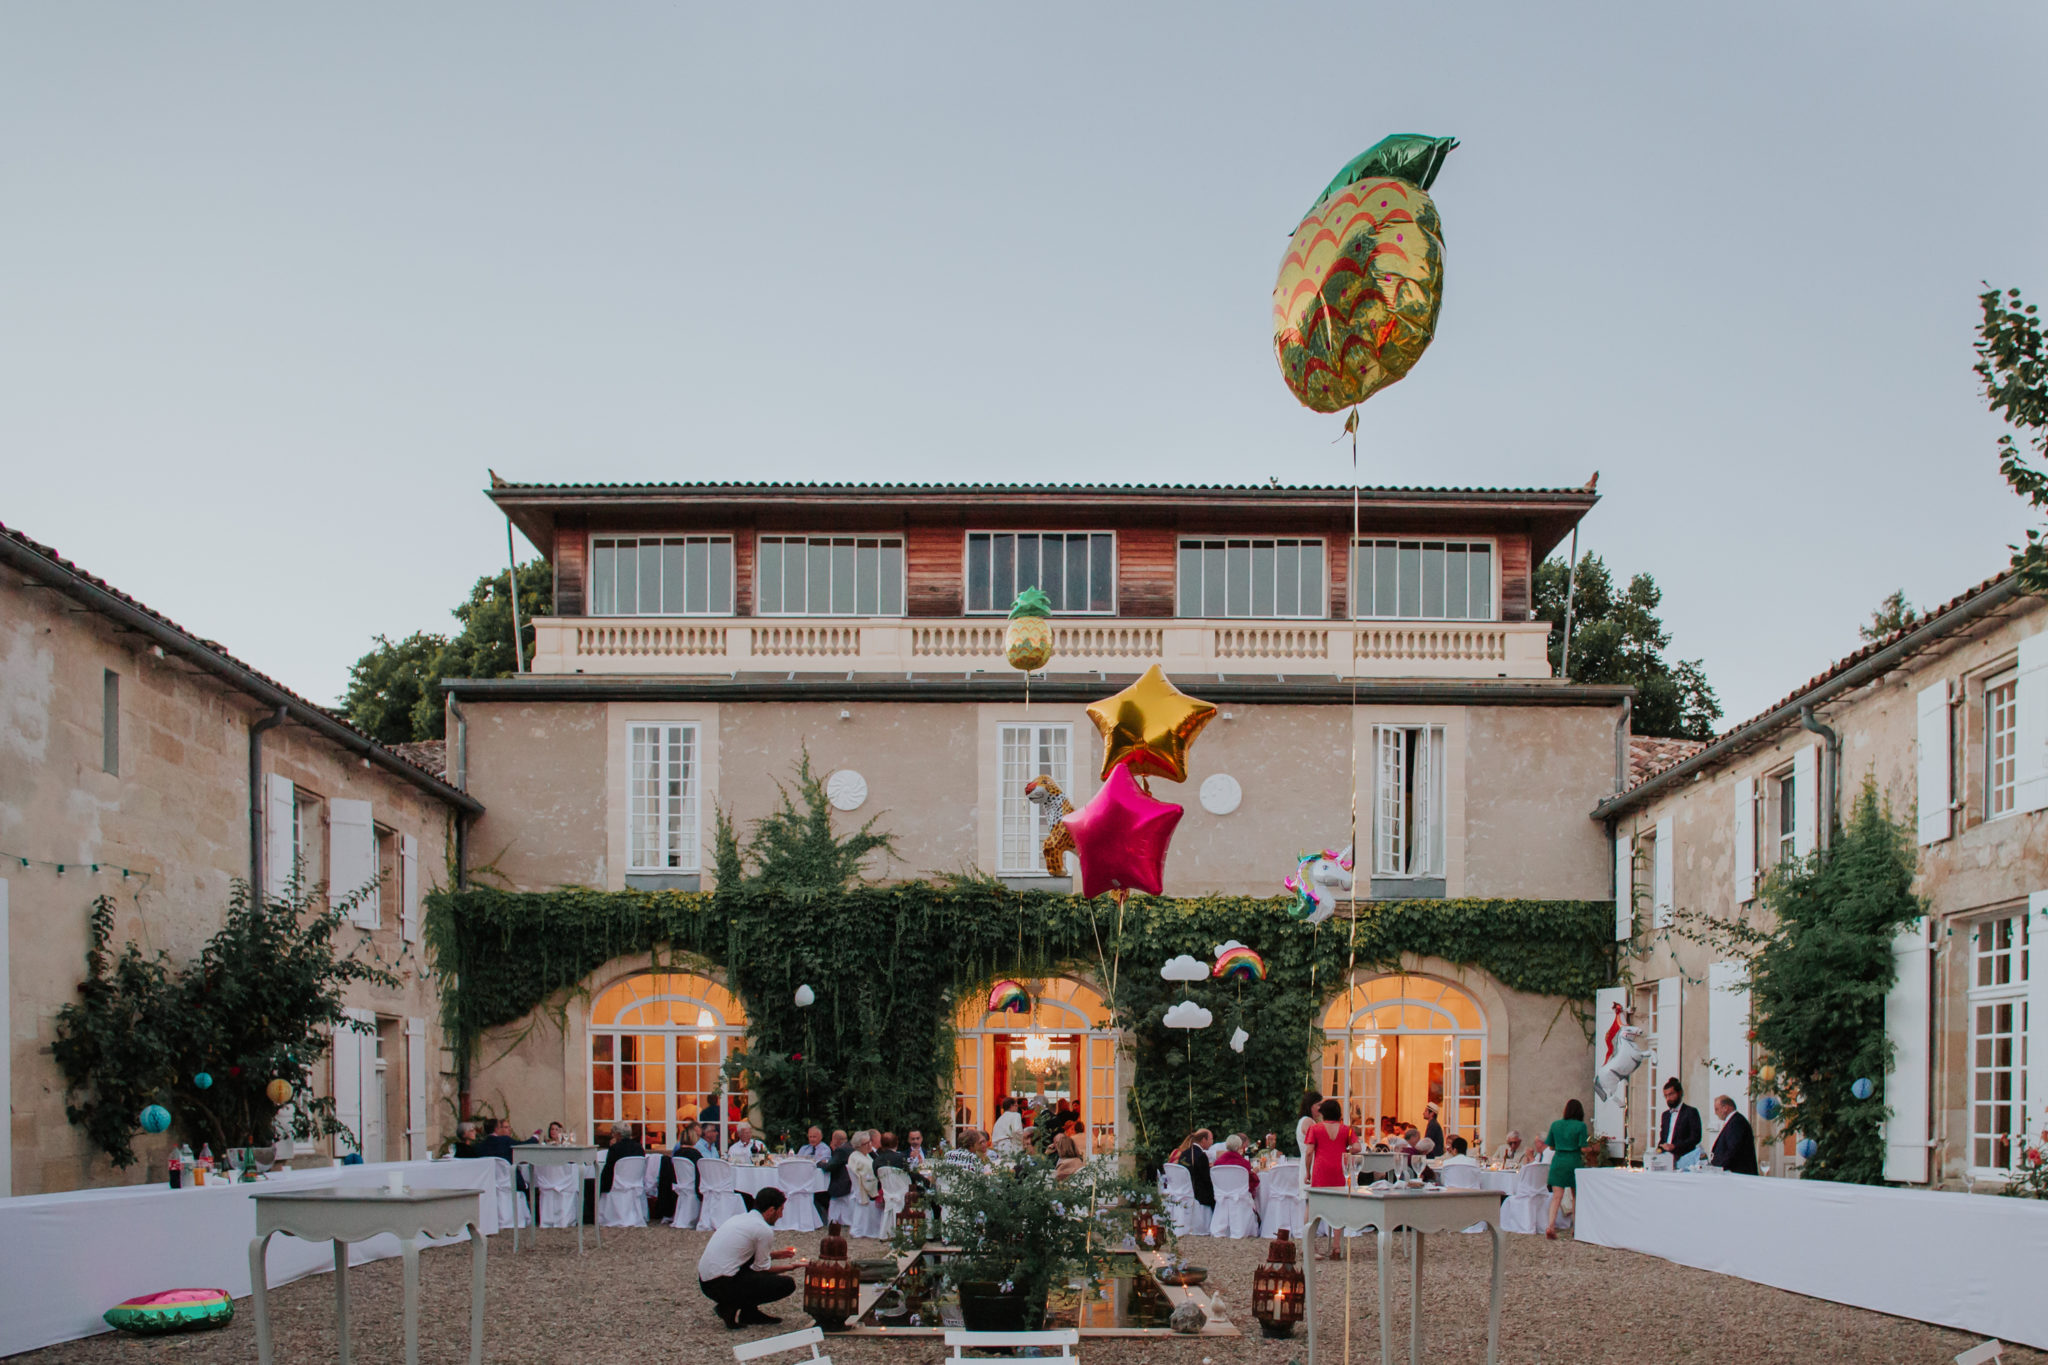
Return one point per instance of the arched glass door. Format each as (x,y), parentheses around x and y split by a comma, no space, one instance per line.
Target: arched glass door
(658,1044)
(1393,1044)
(1063,1049)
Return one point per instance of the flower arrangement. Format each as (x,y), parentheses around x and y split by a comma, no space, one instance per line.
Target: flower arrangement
(2030,1181)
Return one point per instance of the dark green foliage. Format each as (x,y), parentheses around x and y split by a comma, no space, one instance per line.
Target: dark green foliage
(254,1008)
(1894,614)
(394,691)
(1618,638)
(2012,364)
(797,851)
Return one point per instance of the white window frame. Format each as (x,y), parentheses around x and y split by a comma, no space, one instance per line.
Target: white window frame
(2001,703)
(1183,599)
(1992,995)
(685,540)
(1021,825)
(676,830)
(832,539)
(1364,544)
(1394,830)
(1783,836)
(995,608)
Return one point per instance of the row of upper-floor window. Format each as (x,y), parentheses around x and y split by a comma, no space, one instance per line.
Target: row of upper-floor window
(1216,576)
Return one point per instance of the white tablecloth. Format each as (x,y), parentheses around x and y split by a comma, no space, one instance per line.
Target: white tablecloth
(1959,1260)
(67,1258)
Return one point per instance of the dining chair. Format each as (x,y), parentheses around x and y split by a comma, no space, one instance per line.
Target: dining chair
(718,1189)
(1280,1200)
(1233,1215)
(624,1205)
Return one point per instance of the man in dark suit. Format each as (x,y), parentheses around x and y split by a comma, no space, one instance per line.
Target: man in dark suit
(1735,1144)
(838,1180)
(1195,1156)
(496,1140)
(622,1145)
(1678,1127)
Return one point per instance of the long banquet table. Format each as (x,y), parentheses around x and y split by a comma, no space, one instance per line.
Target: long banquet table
(1958,1260)
(67,1258)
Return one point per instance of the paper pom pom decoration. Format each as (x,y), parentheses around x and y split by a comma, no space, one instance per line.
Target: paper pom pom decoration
(1235,962)
(279,1091)
(1008,997)
(155,1118)
(1861,1088)
(1807,1147)
(805,997)
(1027,643)
(1768,1106)
(172,1310)
(203,1081)
(1767,1073)
(1187,1014)
(1238,1040)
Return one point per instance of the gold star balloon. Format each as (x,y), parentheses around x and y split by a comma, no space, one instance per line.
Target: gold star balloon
(1148,727)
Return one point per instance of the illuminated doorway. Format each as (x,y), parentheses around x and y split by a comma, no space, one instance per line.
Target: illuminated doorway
(1065,1048)
(658,1044)
(1395,1043)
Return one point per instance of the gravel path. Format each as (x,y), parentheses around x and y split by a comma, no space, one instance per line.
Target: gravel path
(636,1301)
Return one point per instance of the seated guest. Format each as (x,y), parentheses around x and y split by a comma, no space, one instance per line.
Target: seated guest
(465,1139)
(1232,1154)
(1008,1134)
(746,1149)
(1271,1146)
(861,1181)
(1194,1154)
(1461,1154)
(815,1148)
(496,1140)
(557,1134)
(1735,1144)
(738,1270)
(1069,1157)
(707,1139)
(913,1150)
(965,1152)
(1678,1128)
(619,1144)
(837,1182)
(886,1154)
(1511,1152)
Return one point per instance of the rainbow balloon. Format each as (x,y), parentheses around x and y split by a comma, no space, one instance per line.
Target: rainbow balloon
(1239,963)
(1008,997)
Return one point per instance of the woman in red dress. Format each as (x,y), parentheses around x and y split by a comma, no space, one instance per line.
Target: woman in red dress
(1324,1145)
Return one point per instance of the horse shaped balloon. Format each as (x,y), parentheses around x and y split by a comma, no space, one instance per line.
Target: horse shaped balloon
(1317,881)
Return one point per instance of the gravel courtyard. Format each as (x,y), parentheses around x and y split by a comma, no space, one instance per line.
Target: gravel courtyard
(636,1301)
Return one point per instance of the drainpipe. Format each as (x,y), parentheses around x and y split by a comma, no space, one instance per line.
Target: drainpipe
(460,772)
(274,719)
(1628,709)
(1830,775)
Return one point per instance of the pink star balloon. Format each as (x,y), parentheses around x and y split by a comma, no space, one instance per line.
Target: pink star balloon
(1121,837)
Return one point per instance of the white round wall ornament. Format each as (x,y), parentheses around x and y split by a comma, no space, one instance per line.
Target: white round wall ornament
(846,790)
(1220,794)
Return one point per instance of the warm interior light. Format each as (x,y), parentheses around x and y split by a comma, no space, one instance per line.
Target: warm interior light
(1368,1051)
(1037,1047)
(705,1021)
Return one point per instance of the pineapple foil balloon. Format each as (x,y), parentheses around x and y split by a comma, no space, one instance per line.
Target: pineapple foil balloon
(1363,280)
(1027,644)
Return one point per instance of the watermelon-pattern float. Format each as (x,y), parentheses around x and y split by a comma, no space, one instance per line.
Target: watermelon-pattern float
(172,1310)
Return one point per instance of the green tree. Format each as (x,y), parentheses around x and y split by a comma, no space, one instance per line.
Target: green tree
(1619,638)
(1893,614)
(394,691)
(2012,363)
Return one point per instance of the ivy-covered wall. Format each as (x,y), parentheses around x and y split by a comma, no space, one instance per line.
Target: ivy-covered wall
(889,965)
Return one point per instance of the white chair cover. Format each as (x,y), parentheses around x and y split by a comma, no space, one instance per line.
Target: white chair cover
(561,1195)
(512,1210)
(1464,1178)
(624,1205)
(1280,1192)
(895,1189)
(717,1188)
(1189,1219)
(685,1215)
(798,1181)
(867,1214)
(1234,1215)
(1525,1209)
(842,1210)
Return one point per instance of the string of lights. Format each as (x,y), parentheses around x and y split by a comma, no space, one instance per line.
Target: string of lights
(82,866)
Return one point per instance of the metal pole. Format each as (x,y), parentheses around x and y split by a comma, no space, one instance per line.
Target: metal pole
(1571,590)
(512,590)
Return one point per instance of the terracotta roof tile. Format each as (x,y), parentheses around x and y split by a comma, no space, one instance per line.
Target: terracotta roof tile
(1648,754)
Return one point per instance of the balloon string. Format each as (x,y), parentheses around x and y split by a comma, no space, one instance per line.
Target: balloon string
(1351,963)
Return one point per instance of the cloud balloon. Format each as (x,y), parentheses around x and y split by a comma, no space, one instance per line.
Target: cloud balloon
(1185,968)
(1187,1014)
(805,997)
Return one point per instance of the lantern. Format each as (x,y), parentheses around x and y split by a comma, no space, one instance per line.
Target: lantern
(1145,1228)
(1278,1292)
(279,1091)
(911,1220)
(832,1283)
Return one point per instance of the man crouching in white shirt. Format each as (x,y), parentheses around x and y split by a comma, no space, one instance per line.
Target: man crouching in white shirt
(737,1271)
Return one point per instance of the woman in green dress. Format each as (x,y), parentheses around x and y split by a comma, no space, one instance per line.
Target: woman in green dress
(1564,1140)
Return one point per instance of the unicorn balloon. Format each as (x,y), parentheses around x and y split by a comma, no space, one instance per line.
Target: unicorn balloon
(1317,882)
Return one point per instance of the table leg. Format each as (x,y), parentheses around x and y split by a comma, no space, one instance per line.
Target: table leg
(596,1213)
(1415,1244)
(341,1297)
(259,1290)
(1386,1246)
(476,1295)
(409,1250)
(1493,1304)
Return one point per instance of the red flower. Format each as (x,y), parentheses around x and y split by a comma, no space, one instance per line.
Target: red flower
(2033,1156)
(796,1056)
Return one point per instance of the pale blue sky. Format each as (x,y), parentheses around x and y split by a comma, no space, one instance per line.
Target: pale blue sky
(279,284)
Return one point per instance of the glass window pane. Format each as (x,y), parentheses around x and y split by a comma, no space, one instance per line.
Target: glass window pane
(1190,578)
(1481,578)
(696,576)
(1361,579)
(1004,579)
(1385,579)
(1212,579)
(768,575)
(1052,570)
(867,577)
(601,578)
(817,577)
(650,578)
(1262,579)
(842,577)
(1287,580)
(721,577)
(1027,562)
(673,576)
(1101,571)
(978,574)
(892,578)
(1456,595)
(1238,576)
(628,567)
(1409,560)
(1312,578)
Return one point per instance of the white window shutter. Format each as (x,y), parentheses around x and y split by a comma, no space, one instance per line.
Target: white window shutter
(1745,841)
(1934,791)
(409,887)
(1670,1037)
(1624,887)
(1607,1114)
(2037,1013)
(278,852)
(347,1053)
(352,856)
(1806,795)
(1664,899)
(1727,1068)
(2030,742)
(417,1128)
(1908,1018)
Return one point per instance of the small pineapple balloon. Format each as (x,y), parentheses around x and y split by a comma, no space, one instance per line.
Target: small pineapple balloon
(1027,644)
(279,1091)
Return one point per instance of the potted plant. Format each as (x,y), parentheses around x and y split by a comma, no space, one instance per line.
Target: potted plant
(1021,1235)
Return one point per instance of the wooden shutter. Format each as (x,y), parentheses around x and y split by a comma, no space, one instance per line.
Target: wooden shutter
(1934,790)
(1661,911)
(2037,1013)
(1745,840)
(2030,740)
(1670,1038)
(279,854)
(352,857)
(417,1126)
(347,1052)
(1607,1114)
(409,887)
(1806,796)
(1624,887)
(1727,1065)
(1907,1023)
